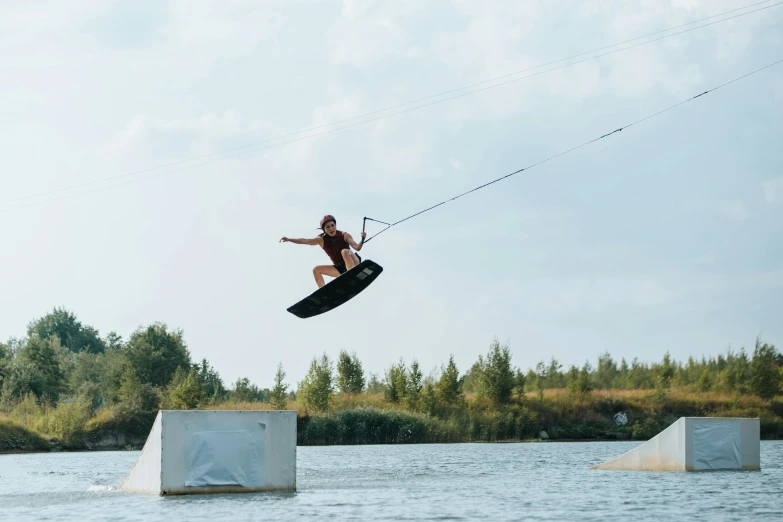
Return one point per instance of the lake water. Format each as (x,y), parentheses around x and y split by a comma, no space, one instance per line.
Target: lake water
(528,481)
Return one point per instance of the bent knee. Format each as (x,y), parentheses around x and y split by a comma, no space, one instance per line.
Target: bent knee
(346,252)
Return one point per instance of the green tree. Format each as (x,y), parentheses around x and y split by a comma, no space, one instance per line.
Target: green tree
(554,378)
(691,373)
(245,391)
(413,386)
(471,378)
(497,378)
(661,387)
(5,362)
(572,375)
(764,375)
(350,375)
(210,379)
(23,378)
(156,353)
(395,382)
(315,390)
(41,367)
(531,380)
(134,395)
(185,391)
(606,372)
(448,389)
(663,373)
(429,401)
(129,392)
(639,376)
(578,381)
(540,379)
(704,382)
(739,370)
(279,396)
(621,382)
(110,369)
(89,393)
(113,341)
(27,410)
(71,333)
(374,385)
(519,384)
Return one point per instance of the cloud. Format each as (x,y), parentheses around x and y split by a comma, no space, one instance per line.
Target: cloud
(708,258)
(735,211)
(208,31)
(688,4)
(635,74)
(773,191)
(546,298)
(777,91)
(397,153)
(128,24)
(369,32)
(197,135)
(493,41)
(706,285)
(206,77)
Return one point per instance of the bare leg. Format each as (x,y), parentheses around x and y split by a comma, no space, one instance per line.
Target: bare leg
(321,270)
(349,258)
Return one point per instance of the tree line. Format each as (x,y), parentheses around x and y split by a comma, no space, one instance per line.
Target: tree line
(493,378)
(62,361)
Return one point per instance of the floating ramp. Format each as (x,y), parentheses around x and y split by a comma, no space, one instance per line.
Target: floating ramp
(696,444)
(231,451)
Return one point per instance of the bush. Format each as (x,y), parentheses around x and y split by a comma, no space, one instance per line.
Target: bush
(765,377)
(120,421)
(369,426)
(27,412)
(185,391)
(316,389)
(15,437)
(771,426)
(67,421)
(511,422)
(646,429)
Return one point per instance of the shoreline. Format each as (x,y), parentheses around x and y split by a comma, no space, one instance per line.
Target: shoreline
(525,441)
(555,416)
(56,448)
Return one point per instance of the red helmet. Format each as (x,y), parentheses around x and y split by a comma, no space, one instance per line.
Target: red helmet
(326,219)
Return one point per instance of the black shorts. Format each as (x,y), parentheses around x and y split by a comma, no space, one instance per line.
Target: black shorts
(341,268)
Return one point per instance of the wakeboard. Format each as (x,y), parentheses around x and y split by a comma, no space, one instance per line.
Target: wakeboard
(338,291)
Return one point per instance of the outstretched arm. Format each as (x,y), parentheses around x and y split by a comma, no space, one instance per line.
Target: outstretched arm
(299,241)
(356,246)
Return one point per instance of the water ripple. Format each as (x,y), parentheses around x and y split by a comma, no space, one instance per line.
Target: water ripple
(532,481)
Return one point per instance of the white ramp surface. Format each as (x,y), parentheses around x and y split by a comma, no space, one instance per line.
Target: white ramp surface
(198,451)
(696,444)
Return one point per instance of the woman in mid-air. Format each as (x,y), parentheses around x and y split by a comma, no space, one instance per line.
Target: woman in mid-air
(337,245)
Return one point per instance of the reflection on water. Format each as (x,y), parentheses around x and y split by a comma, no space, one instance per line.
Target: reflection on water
(529,481)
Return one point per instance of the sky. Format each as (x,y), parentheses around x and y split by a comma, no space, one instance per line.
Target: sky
(119,202)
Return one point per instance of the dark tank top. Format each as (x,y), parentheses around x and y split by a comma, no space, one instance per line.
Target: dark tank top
(333,246)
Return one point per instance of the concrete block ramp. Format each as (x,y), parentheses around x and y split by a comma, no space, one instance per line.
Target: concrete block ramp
(696,444)
(199,451)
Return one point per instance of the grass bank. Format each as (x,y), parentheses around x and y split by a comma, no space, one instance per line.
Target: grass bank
(369,419)
(15,438)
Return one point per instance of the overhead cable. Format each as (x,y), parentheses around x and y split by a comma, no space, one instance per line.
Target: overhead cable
(572,149)
(135,173)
